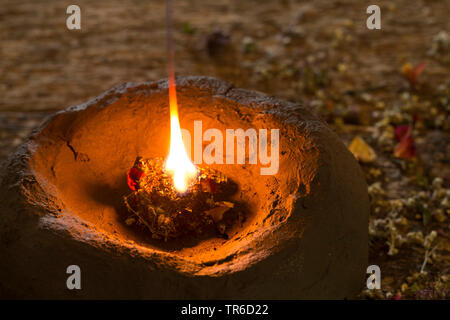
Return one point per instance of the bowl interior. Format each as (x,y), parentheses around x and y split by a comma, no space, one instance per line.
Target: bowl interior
(86,154)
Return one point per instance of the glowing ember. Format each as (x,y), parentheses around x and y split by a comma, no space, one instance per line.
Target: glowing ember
(178,162)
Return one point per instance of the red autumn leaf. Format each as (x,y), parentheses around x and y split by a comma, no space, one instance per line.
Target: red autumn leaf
(406,148)
(412,73)
(133,177)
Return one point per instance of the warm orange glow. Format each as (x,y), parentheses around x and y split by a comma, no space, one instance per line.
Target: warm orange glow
(178,162)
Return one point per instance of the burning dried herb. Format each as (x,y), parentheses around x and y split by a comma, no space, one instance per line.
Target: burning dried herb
(156,205)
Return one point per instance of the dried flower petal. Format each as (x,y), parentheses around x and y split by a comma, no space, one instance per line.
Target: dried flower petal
(406,148)
(411,73)
(133,177)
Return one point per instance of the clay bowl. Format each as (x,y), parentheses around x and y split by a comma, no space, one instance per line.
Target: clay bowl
(305,235)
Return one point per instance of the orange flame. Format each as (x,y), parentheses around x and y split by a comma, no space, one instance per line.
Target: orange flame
(178,162)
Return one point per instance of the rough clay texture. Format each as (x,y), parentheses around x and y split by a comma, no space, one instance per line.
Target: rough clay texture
(60,204)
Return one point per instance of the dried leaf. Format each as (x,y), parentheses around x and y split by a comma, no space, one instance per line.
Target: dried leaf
(361,150)
(226,204)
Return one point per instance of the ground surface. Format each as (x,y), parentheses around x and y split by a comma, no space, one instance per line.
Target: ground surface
(320,53)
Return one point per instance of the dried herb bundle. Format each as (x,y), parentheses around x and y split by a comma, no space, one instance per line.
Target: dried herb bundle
(156,205)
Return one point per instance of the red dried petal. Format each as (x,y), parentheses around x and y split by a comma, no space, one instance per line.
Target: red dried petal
(398,296)
(419,69)
(406,148)
(133,177)
(401,131)
(412,73)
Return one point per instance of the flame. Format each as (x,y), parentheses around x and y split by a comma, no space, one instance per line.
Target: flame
(178,162)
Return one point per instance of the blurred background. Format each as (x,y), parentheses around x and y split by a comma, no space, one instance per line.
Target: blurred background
(385,92)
